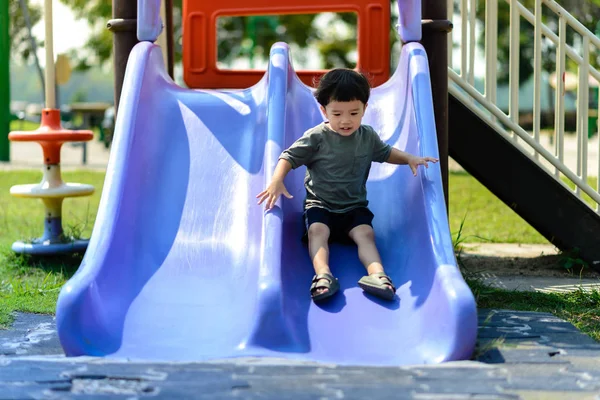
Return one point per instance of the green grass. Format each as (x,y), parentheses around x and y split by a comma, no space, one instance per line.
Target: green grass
(23,125)
(581,308)
(486,218)
(31,284)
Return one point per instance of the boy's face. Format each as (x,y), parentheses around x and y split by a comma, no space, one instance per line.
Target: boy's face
(344,116)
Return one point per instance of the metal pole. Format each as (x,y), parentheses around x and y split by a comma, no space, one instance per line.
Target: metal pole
(169,33)
(123,27)
(435,27)
(49,47)
(5,83)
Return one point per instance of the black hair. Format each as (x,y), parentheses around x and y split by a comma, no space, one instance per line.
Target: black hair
(342,84)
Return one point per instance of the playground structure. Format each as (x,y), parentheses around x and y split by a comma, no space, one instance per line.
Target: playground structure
(182,263)
(51,190)
(200,53)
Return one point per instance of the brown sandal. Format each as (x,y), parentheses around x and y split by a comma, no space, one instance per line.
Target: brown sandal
(332,285)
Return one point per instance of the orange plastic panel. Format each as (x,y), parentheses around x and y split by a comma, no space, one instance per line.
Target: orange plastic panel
(200,38)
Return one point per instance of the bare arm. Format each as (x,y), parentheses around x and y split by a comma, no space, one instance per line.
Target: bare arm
(398,157)
(282,168)
(276,188)
(401,157)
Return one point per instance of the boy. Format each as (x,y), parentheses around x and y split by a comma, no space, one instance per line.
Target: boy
(338,155)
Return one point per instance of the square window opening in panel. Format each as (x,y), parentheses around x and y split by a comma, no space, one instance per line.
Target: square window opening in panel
(317,41)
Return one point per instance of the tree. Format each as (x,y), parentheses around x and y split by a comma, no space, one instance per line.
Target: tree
(19,32)
(249,37)
(98,48)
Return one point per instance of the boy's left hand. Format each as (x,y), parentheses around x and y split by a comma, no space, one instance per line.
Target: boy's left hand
(414,162)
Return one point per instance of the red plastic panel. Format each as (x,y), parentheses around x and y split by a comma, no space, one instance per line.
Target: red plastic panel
(200,38)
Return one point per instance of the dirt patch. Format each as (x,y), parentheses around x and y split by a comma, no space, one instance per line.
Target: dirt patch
(519,260)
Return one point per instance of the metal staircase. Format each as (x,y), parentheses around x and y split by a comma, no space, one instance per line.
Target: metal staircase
(543,174)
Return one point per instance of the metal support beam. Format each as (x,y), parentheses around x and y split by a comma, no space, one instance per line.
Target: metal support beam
(170,40)
(123,26)
(435,27)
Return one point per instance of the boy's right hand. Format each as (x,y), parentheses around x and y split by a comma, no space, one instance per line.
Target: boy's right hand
(272,193)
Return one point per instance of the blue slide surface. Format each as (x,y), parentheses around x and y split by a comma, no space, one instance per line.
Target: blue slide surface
(183,265)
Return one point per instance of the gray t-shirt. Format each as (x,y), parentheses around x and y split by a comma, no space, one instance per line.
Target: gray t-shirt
(337,167)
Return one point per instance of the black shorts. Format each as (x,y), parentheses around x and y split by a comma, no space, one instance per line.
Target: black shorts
(340,224)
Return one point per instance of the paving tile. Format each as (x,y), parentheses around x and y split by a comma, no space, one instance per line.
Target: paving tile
(538,354)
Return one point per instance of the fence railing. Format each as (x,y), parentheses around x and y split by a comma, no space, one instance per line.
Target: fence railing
(560,44)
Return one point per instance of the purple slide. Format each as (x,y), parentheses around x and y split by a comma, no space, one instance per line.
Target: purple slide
(183,265)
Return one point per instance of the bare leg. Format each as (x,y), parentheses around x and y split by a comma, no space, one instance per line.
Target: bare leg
(318,248)
(364,237)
